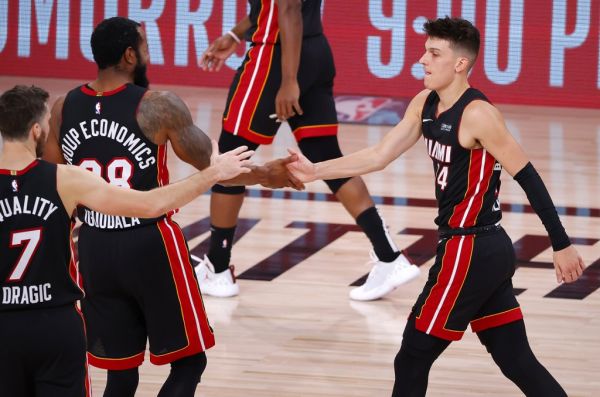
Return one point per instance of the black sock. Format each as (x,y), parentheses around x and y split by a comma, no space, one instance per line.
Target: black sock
(219,252)
(376,230)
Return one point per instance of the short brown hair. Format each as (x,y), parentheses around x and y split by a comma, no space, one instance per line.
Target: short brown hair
(20,108)
(459,32)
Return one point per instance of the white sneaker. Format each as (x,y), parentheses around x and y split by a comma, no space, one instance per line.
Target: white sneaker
(384,278)
(221,285)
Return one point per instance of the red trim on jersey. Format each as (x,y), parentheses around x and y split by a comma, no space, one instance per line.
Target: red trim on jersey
(441,300)
(198,332)
(248,92)
(88,381)
(74,261)
(470,206)
(89,91)
(313,131)
(116,363)
(488,172)
(267,28)
(19,172)
(497,319)
(162,174)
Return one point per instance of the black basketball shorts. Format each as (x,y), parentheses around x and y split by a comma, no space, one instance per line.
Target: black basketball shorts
(43,353)
(140,284)
(251,98)
(469,283)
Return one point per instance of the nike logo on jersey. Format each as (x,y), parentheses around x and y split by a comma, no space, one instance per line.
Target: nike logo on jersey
(426,120)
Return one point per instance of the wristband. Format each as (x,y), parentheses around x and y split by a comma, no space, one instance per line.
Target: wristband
(234,36)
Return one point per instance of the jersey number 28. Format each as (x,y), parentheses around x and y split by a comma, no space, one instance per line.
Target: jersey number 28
(118,170)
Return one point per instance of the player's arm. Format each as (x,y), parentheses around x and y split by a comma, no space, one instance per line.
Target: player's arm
(219,50)
(162,116)
(374,158)
(289,17)
(482,124)
(78,186)
(52,152)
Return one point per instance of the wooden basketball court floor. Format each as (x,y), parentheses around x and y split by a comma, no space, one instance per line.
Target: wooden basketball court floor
(293,331)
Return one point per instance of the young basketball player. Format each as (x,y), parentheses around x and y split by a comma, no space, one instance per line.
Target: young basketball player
(471,279)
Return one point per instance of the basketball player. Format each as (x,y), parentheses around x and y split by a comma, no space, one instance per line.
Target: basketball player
(42,332)
(471,279)
(137,273)
(278,81)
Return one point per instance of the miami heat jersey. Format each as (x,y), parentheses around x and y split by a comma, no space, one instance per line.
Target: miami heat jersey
(265,27)
(36,262)
(99,132)
(467,182)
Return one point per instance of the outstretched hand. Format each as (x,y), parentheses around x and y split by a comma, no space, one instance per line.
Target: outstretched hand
(217,53)
(232,163)
(568,265)
(276,174)
(301,168)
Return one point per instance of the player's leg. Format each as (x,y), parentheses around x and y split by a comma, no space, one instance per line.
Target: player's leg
(500,327)
(121,383)
(510,350)
(178,329)
(414,360)
(184,376)
(215,274)
(390,268)
(112,263)
(246,121)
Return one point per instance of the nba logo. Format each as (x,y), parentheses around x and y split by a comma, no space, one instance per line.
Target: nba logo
(14,185)
(98,108)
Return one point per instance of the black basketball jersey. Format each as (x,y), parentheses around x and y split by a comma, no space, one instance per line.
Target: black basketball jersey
(265,28)
(37,268)
(467,182)
(99,132)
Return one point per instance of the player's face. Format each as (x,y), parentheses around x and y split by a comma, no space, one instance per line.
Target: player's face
(40,141)
(142,54)
(439,62)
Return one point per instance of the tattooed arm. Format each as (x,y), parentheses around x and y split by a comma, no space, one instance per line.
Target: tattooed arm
(163,116)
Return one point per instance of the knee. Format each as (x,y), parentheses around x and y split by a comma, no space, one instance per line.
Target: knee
(323,148)
(190,368)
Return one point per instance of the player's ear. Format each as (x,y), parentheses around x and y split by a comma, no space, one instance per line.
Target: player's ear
(462,64)
(129,56)
(36,130)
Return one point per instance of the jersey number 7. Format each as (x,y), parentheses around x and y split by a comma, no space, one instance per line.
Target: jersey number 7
(31,239)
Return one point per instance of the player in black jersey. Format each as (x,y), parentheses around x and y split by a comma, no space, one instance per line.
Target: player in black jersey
(471,279)
(42,331)
(137,273)
(279,80)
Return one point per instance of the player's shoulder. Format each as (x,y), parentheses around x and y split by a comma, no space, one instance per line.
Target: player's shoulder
(58,104)
(481,111)
(159,102)
(416,104)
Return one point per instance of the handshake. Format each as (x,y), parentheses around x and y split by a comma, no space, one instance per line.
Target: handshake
(235,168)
